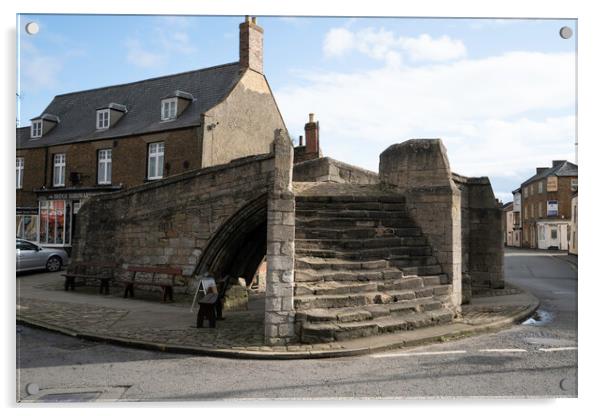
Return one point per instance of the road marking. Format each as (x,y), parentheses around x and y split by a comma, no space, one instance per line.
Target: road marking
(503,350)
(558,349)
(411,354)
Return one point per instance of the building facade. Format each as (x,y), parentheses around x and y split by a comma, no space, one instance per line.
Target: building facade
(508,223)
(546,206)
(517,225)
(113,138)
(574,236)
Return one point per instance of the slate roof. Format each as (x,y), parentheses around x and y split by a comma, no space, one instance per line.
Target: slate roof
(563,168)
(77,110)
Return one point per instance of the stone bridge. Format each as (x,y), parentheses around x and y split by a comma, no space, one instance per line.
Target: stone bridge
(349,253)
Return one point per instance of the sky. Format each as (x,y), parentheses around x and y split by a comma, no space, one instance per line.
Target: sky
(500,93)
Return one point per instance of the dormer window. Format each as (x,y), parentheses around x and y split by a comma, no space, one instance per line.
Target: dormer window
(169,109)
(36,129)
(102,119)
(43,124)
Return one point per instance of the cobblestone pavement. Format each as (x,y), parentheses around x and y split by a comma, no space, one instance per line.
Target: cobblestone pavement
(145,320)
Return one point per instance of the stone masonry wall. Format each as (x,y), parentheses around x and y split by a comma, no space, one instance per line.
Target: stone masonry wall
(171,221)
(483,258)
(326,169)
(420,170)
(279,311)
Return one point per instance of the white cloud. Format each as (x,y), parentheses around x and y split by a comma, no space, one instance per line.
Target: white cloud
(168,39)
(497,116)
(138,56)
(338,42)
(38,70)
(425,48)
(385,45)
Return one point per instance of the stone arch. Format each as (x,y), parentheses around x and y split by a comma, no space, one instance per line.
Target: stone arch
(239,245)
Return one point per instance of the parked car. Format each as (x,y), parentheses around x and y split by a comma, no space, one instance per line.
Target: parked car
(31,256)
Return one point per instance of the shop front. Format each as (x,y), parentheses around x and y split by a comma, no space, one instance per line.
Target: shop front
(55,219)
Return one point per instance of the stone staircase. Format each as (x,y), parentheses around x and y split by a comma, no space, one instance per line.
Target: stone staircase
(362,266)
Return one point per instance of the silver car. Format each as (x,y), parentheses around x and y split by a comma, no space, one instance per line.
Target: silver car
(30,256)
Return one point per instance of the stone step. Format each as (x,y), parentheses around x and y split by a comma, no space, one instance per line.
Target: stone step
(395,199)
(355,233)
(367,312)
(331,212)
(304,302)
(416,270)
(330,332)
(435,280)
(326,275)
(314,263)
(334,288)
(367,253)
(413,261)
(356,244)
(344,223)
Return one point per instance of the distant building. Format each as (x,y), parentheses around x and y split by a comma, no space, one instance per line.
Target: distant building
(573,236)
(508,223)
(546,206)
(517,225)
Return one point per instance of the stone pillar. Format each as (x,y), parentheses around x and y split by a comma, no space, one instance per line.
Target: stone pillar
(279,309)
(420,170)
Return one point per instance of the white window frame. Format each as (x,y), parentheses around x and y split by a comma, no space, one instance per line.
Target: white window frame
(105,165)
(156,152)
(169,109)
(36,129)
(103,119)
(20,169)
(58,169)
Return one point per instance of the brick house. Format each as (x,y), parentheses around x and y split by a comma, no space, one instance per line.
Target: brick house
(546,206)
(116,137)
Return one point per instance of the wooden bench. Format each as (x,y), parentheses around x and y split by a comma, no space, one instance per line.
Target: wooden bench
(158,278)
(103,272)
(211,305)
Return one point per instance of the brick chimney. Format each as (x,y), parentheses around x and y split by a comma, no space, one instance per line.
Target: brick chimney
(312,135)
(557,163)
(251,45)
(540,170)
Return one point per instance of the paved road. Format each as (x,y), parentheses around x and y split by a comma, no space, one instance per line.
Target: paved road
(536,359)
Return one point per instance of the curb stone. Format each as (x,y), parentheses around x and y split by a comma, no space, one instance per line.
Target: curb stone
(240,353)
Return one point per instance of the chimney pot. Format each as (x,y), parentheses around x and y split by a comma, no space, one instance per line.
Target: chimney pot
(247,19)
(254,20)
(300,140)
(311,117)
